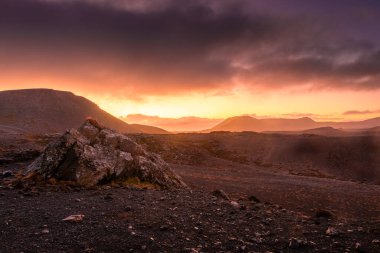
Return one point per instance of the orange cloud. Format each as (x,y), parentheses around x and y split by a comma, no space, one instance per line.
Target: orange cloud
(212,59)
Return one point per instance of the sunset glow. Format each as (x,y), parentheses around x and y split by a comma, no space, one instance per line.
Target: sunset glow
(213,59)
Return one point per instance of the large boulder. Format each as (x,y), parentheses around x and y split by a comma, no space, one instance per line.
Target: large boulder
(94,154)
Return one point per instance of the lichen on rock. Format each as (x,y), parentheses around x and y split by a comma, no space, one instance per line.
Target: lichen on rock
(94,154)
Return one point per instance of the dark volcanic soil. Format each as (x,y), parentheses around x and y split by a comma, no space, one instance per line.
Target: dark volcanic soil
(130,220)
(248,163)
(127,220)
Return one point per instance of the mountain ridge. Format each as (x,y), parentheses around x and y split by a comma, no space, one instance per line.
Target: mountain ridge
(51,111)
(248,123)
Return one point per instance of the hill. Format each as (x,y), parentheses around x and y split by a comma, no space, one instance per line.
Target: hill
(149,129)
(373,131)
(50,111)
(247,123)
(323,131)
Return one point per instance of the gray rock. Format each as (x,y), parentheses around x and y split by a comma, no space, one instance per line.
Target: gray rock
(220,194)
(295,243)
(235,204)
(94,154)
(360,248)
(254,199)
(332,231)
(7,173)
(323,214)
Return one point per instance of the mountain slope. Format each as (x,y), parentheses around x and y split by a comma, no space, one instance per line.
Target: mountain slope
(49,111)
(323,131)
(373,131)
(369,123)
(247,123)
(149,129)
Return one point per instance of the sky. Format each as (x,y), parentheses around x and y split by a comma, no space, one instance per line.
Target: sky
(209,59)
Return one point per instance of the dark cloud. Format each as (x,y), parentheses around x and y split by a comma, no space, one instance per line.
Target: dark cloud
(166,46)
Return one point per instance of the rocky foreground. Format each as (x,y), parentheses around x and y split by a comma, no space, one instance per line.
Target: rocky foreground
(134,220)
(95,190)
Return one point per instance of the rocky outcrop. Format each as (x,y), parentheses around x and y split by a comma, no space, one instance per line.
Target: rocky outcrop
(94,154)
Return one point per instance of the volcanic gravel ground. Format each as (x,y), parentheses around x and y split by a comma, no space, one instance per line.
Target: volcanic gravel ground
(131,220)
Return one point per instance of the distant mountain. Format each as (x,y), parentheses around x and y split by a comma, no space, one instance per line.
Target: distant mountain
(50,111)
(183,124)
(373,131)
(325,131)
(247,123)
(369,123)
(149,129)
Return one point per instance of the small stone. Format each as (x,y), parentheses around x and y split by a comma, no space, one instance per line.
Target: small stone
(332,231)
(74,218)
(7,173)
(164,228)
(128,208)
(220,194)
(257,240)
(359,247)
(235,204)
(376,241)
(323,214)
(45,231)
(294,243)
(254,199)
(108,197)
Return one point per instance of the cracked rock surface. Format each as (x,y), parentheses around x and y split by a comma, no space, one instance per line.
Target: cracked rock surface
(94,154)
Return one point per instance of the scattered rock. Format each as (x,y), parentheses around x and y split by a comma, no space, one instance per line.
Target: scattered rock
(108,197)
(295,243)
(359,248)
(254,199)
(332,231)
(220,194)
(45,231)
(74,218)
(7,173)
(235,204)
(323,214)
(27,194)
(94,154)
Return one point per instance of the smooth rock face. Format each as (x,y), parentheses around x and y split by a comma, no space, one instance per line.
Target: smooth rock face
(94,154)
